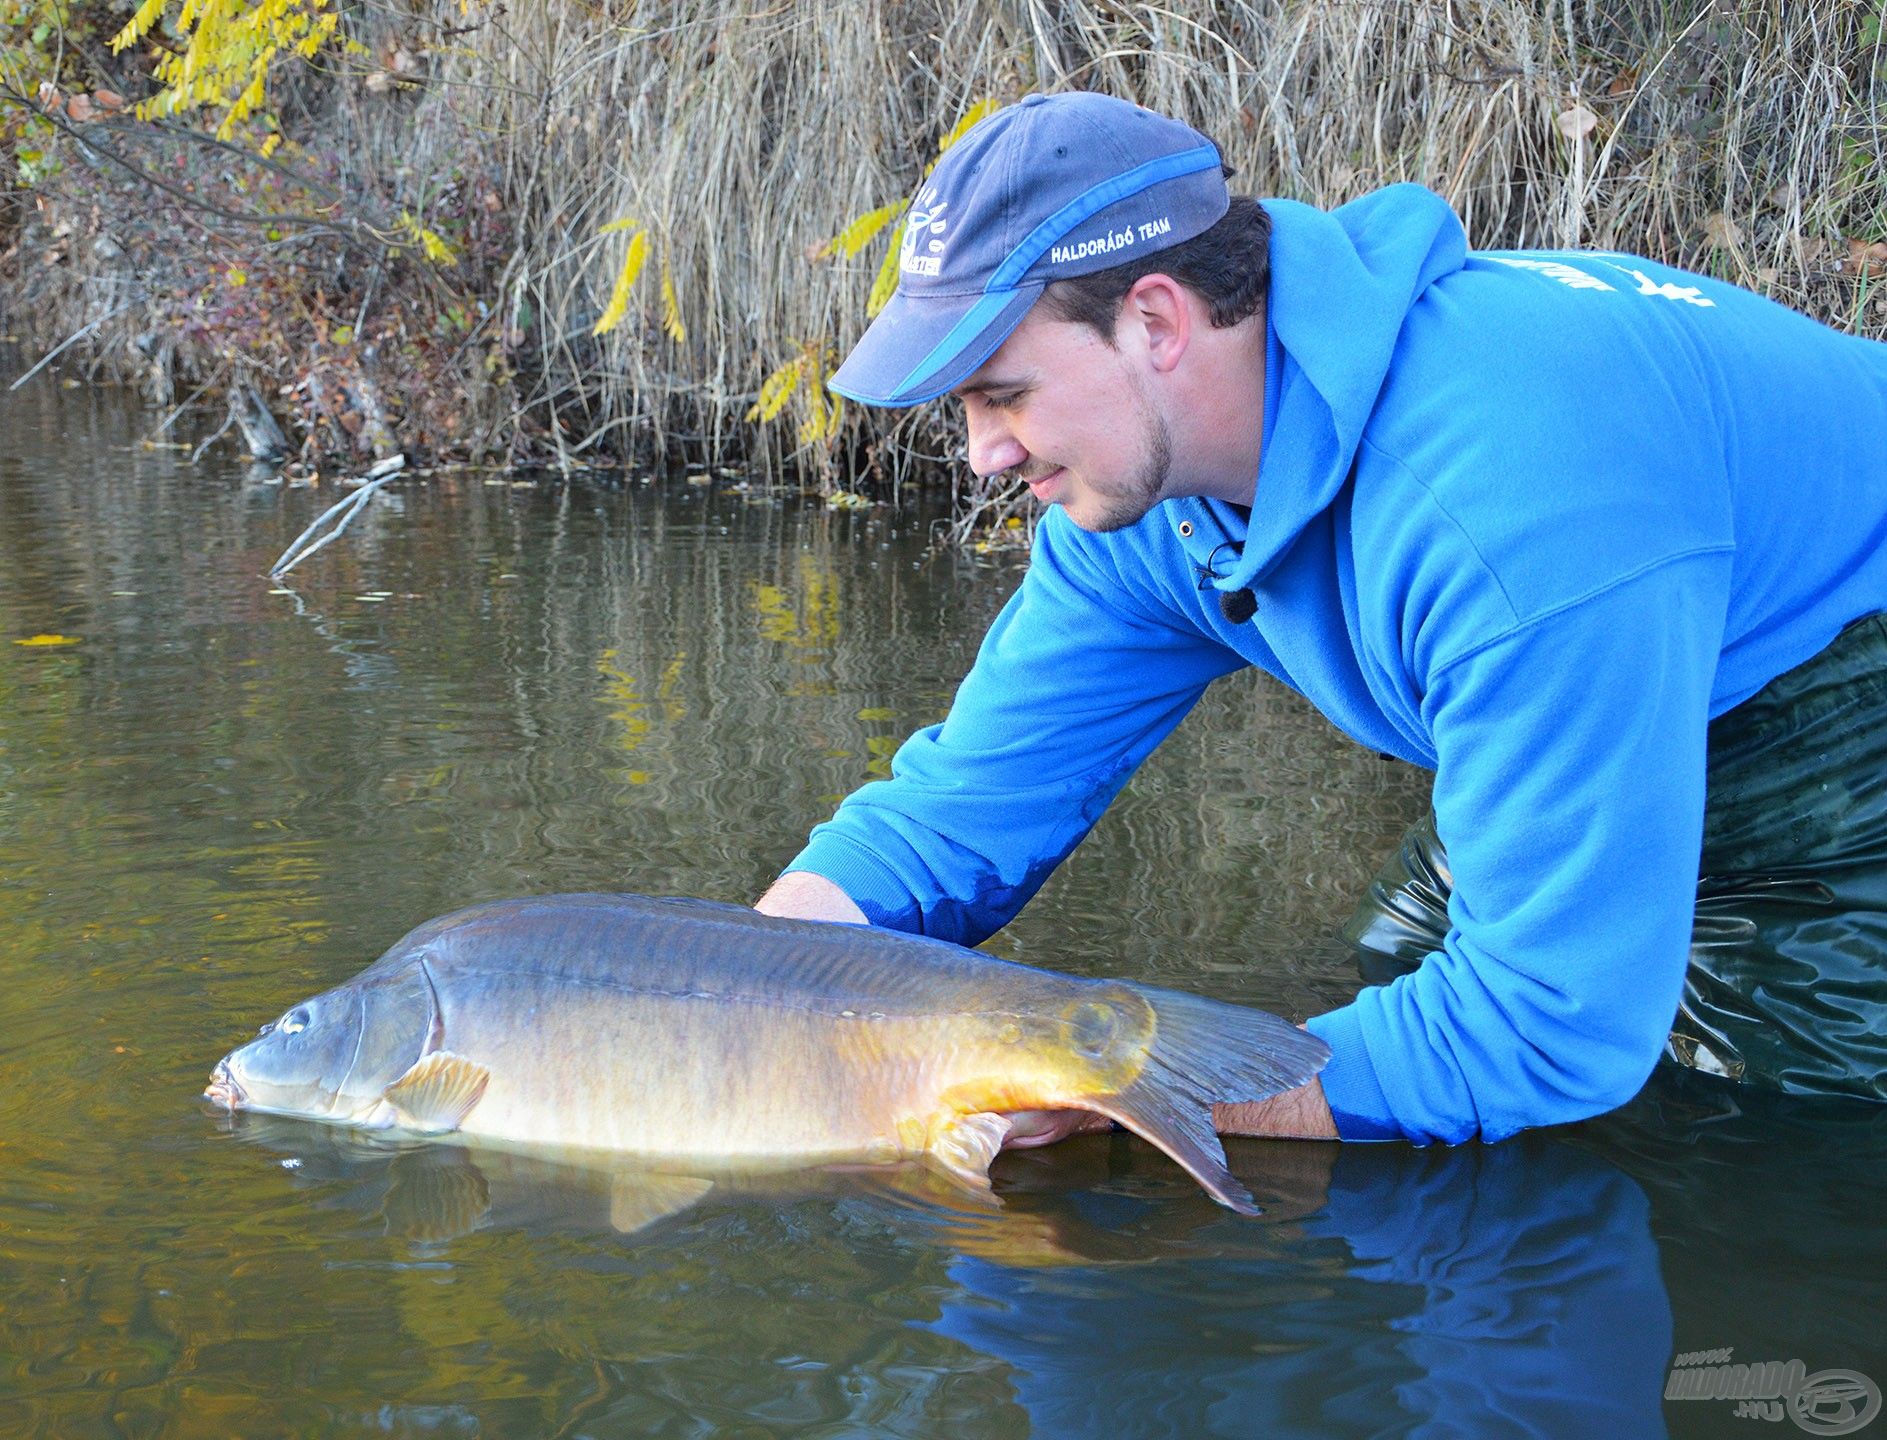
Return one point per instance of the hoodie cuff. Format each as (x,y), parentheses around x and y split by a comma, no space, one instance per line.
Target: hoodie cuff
(872,885)
(1351,1088)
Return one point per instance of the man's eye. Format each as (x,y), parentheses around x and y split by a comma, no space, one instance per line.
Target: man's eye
(1007,400)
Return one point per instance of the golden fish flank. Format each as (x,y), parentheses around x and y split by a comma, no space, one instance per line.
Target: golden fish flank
(688,1031)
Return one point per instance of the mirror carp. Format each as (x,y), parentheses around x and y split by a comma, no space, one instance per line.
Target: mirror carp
(690,1031)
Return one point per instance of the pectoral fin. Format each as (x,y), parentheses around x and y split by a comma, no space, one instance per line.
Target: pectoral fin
(964,1148)
(637,1201)
(435,1195)
(437,1093)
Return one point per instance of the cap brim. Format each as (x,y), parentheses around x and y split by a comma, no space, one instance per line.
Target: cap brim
(922,346)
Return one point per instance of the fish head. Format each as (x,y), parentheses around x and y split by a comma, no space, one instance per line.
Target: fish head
(334,1056)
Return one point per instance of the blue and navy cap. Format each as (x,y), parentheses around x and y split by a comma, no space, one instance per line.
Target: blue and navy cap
(1051,187)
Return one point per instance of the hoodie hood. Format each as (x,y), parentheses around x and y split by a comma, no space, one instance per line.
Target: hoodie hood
(1342,282)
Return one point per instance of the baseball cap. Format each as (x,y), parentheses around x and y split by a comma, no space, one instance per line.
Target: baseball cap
(1048,188)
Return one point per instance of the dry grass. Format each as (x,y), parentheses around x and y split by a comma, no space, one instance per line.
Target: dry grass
(1743,139)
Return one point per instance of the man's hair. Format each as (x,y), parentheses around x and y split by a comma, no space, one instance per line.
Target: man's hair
(1228,265)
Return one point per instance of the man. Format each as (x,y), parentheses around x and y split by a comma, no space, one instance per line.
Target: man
(1588,536)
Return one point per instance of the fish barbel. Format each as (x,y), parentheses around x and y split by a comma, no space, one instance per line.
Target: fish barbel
(685,1030)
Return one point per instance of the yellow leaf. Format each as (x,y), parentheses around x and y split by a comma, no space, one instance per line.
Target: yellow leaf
(777,389)
(237,276)
(886,285)
(434,247)
(860,233)
(671,309)
(42,640)
(975,113)
(619,297)
(135,29)
(623,224)
(823,423)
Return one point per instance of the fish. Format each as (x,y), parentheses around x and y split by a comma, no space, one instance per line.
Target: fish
(689,1032)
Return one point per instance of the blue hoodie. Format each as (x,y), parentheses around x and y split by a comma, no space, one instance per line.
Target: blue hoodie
(1529,519)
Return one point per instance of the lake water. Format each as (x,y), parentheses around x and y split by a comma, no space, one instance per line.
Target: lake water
(215,800)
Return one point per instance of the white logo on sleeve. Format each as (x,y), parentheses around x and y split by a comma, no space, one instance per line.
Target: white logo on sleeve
(1689,294)
(1553,270)
(1578,279)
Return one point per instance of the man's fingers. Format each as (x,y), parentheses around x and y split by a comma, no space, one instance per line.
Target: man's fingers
(1029,1128)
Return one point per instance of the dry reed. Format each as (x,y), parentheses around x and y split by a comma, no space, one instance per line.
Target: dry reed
(1746,140)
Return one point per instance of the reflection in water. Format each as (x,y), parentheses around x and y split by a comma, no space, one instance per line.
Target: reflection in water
(1767,1214)
(1387,1288)
(218,800)
(1510,1290)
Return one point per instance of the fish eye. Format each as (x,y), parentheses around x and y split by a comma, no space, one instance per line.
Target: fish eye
(295,1021)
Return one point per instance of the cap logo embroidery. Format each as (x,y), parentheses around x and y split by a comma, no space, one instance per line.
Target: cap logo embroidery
(923,232)
(995,223)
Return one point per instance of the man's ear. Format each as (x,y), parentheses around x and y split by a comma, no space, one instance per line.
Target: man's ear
(1158,308)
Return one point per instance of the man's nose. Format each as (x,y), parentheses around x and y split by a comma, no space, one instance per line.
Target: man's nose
(992,448)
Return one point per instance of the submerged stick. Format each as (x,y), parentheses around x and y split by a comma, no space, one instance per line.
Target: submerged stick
(305,544)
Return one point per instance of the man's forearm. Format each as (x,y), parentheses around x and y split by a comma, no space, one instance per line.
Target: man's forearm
(1300,1114)
(802,895)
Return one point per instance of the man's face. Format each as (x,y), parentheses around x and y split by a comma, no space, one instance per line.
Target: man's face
(1068,413)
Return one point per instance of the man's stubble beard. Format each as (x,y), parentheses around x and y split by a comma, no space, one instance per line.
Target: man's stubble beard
(1146,488)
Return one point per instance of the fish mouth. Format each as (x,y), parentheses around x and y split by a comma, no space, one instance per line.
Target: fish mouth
(223,1089)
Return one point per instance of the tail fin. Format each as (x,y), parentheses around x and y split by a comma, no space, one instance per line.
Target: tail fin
(1206,1052)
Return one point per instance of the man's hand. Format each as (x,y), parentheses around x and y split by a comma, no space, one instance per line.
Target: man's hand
(802,895)
(1300,1114)
(1030,1128)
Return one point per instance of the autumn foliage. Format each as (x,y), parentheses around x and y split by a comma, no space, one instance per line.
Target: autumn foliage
(601,235)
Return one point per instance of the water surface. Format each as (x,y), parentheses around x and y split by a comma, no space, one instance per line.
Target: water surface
(215,800)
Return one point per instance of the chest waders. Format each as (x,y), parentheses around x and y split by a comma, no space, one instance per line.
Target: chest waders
(1786,987)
